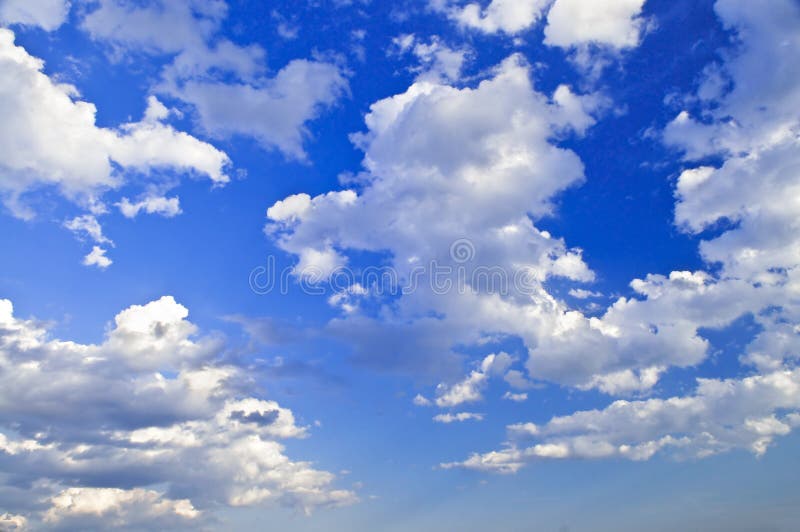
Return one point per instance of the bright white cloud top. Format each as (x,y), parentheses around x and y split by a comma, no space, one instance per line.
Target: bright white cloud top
(56,142)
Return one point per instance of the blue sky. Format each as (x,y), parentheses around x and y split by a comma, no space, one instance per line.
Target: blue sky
(430,264)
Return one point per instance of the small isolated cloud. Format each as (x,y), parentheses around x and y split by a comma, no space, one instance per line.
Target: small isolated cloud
(612,23)
(580,293)
(458,418)
(163,206)
(87,226)
(516,397)
(97,257)
(420,400)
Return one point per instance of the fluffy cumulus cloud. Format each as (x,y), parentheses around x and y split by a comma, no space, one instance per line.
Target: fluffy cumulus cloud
(448,177)
(470,389)
(748,120)
(167,207)
(226,84)
(439,159)
(507,16)
(437,60)
(613,23)
(110,433)
(755,127)
(112,507)
(56,143)
(723,415)
(87,226)
(97,257)
(46,14)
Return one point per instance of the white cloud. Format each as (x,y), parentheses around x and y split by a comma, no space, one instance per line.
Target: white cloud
(516,397)
(88,225)
(437,60)
(113,507)
(13,522)
(517,379)
(442,159)
(753,126)
(97,257)
(167,207)
(273,112)
(459,417)
(55,141)
(507,16)
(158,26)
(142,409)
(223,81)
(613,23)
(420,400)
(580,293)
(47,14)
(466,391)
(470,388)
(723,415)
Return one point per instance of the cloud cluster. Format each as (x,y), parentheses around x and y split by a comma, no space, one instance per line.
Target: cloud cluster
(748,118)
(615,24)
(226,84)
(56,143)
(439,160)
(113,432)
(443,159)
(722,415)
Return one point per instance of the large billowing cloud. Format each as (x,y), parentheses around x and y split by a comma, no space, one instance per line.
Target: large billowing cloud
(227,84)
(446,173)
(455,176)
(112,433)
(55,141)
(750,120)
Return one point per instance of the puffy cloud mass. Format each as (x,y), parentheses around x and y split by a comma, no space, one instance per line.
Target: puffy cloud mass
(438,161)
(55,141)
(112,432)
(722,415)
(613,23)
(507,16)
(442,159)
(749,121)
(225,83)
